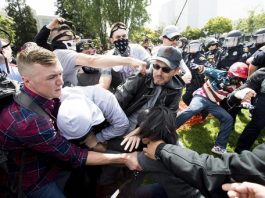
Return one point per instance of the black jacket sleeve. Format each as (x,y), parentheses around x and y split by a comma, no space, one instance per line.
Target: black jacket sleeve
(207,173)
(42,38)
(259,59)
(254,82)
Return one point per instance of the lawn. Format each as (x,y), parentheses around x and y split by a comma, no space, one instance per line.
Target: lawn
(200,137)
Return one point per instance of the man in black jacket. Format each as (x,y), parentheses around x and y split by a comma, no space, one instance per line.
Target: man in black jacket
(255,86)
(159,87)
(175,166)
(204,172)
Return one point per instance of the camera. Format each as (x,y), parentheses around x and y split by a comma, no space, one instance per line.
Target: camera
(69,23)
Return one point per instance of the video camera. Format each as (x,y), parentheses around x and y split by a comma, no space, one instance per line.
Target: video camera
(68,23)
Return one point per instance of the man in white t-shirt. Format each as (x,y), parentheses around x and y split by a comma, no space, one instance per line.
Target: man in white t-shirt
(111,78)
(63,43)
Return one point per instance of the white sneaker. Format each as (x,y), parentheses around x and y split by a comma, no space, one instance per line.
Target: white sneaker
(218,150)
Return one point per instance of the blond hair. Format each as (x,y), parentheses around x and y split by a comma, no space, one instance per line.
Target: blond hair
(34,55)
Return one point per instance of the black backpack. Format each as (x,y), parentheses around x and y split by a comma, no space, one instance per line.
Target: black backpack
(9,92)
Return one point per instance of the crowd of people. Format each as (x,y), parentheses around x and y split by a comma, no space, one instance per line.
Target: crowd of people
(122,107)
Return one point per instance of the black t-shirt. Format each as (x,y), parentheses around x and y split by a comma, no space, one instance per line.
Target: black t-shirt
(259,59)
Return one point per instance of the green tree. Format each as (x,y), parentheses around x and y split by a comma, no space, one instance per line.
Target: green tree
(138,36)
(260,20)
(92,17)
(60,9)
(25,25)
(7,24)
(252,22)
(130,12)
(192,33)
(217,26)
(77,11)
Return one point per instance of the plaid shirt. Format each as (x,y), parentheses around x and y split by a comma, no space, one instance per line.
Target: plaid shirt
(45,148)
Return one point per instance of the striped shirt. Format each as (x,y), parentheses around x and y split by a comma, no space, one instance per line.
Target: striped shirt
(217,87)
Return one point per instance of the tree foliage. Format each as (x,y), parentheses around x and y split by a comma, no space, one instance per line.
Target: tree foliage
(25,25)
(140,34)
(252,22)
(93,17)
(192,33)
(217,26)
(7,24)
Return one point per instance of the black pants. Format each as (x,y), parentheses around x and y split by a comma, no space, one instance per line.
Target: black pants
(254,127)
(232,111)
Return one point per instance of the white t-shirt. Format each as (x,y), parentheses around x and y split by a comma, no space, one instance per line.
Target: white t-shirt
(67,59)
(108,105)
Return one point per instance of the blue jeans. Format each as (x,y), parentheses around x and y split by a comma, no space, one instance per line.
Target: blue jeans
(199,103)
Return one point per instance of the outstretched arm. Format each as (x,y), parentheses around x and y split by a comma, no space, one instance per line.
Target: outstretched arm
(206,172)
(109,61)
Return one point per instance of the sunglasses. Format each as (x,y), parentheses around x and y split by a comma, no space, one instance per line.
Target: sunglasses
(116,27)
(212,45)
(164,69)
(175,38)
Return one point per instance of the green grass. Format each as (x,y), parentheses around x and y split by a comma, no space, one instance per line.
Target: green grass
(200,137)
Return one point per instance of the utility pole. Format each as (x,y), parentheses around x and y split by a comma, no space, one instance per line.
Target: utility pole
(181,12)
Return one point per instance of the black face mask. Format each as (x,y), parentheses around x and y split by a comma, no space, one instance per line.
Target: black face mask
(63,45)
(122,46)
(58,45)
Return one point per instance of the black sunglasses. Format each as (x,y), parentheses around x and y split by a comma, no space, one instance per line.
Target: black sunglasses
(164,69)
(212,44)
(175,38)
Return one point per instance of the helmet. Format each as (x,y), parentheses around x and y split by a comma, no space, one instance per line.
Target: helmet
(259,36)
(234,33)
(182,42)
(211,41)
(260,31)
(232,39)
(239,69)
(194,46)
